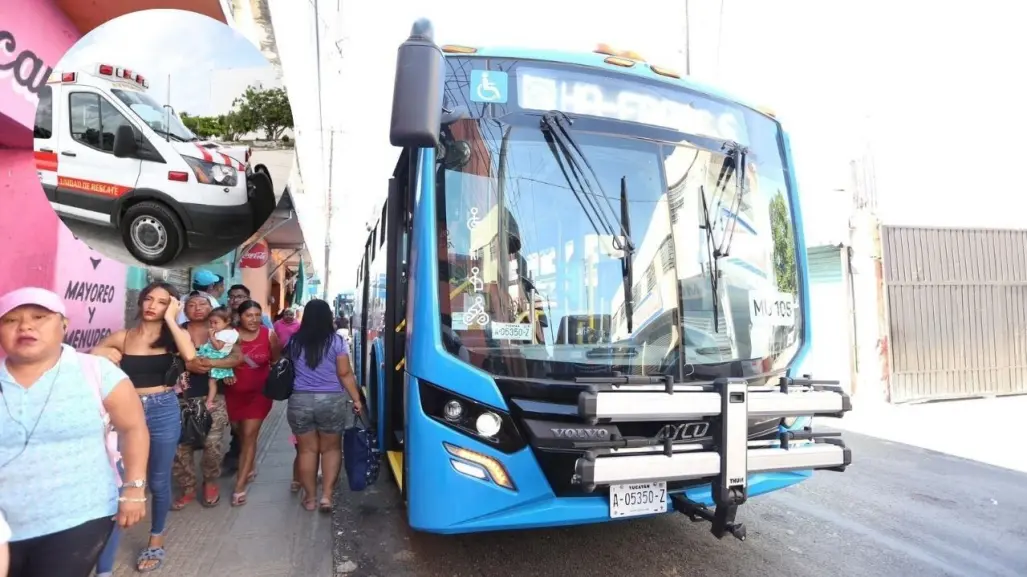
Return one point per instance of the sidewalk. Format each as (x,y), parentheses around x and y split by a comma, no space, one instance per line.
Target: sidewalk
(987,430)
(269,536)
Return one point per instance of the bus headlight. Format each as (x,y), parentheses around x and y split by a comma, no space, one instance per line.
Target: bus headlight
(476,420)
(488,424)
(453,411)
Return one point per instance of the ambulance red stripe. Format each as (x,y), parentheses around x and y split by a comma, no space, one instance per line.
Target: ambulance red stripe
(206,154)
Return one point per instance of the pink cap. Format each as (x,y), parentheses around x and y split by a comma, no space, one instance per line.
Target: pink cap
(31,296)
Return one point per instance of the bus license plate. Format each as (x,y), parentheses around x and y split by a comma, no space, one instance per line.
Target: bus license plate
(634,499)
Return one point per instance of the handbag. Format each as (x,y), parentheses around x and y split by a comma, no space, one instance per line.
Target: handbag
(196,422)
(360,453)
(175,371)
(92,369)
(279,383)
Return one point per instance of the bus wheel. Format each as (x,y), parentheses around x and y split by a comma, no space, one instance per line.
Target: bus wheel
(152,233)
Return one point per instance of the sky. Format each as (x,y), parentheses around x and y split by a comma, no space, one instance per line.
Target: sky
(188,47)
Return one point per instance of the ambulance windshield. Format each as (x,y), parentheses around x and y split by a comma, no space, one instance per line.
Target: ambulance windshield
(161,120)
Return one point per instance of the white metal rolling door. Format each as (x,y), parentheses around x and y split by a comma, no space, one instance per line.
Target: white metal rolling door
(829,307)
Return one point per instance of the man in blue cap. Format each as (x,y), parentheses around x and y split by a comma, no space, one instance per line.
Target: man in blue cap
(211,285)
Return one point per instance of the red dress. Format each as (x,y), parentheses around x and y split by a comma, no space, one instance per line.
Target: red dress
(245,399)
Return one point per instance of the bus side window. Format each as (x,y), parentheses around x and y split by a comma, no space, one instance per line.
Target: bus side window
(44,114)
(381,235)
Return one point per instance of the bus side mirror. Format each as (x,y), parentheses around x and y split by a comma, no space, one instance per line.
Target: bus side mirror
(417,94)
(125,144)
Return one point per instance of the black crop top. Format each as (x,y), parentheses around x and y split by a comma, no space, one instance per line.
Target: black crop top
(146,371)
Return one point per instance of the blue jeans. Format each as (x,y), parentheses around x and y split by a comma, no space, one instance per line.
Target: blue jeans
(164,420)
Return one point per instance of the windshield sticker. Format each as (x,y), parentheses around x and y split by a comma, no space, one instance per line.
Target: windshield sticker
(489,86)
(595,95)
(475,314)
(473,220)
(477,283)
(512,331)
(772,307)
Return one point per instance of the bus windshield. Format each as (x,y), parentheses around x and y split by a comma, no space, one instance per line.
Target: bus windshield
(533,281)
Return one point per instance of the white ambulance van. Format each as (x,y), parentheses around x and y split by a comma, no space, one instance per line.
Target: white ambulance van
(108,153)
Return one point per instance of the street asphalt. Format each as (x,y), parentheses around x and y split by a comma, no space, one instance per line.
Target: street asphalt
(897,511)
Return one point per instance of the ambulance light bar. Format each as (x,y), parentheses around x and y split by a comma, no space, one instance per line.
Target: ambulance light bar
(122,74)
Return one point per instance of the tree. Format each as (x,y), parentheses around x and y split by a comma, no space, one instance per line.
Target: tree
(231,126)
(268,110)
(202,126)
(784,244)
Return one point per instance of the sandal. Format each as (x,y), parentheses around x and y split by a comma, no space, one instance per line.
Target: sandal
(150,554)
(308,504)
(239,499)
(211,495)
(325,506)
(182,501)
(295,487)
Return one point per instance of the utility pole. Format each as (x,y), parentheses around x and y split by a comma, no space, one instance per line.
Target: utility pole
(688,41)
(328,224)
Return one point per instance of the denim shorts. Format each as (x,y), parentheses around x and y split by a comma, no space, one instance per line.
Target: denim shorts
(330,413)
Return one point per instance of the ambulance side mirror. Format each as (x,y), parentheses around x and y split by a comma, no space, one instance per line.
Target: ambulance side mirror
(125,144)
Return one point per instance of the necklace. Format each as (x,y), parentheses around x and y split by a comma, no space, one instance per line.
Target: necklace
(39,417)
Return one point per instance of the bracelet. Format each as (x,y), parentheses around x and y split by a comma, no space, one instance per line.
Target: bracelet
(128,500)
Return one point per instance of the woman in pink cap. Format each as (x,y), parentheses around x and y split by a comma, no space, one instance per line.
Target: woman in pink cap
(58,464)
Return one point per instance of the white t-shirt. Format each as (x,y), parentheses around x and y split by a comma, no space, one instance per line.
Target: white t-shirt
(181,320)
(5,530)
(229,337)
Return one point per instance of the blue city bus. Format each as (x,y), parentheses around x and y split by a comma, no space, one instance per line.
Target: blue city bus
(586,297)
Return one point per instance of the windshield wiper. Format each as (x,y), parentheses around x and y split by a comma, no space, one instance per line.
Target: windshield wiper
(717,250)
(168,135)
(713,256)
(737,156)
(627,263)
(560,143)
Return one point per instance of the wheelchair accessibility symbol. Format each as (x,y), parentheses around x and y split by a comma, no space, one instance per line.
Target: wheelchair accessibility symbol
(489,86)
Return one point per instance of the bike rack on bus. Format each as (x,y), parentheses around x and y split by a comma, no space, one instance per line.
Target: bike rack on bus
(734,457)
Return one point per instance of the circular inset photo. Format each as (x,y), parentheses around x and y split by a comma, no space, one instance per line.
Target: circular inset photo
(163,138)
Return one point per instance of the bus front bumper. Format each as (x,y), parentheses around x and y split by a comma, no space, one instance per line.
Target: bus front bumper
(448,493)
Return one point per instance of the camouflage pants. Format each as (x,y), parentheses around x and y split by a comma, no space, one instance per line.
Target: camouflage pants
(183,470)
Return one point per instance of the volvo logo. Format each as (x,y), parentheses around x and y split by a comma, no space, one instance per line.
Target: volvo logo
(682,432)
(591,434)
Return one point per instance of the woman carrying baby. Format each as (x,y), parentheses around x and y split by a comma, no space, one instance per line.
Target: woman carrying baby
(222,338)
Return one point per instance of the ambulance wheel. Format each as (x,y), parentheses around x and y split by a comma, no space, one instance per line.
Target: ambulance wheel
(152,233)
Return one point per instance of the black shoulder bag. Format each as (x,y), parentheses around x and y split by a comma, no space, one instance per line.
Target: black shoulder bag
(278,386)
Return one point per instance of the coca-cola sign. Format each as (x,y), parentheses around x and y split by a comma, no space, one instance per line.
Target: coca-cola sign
(256,256)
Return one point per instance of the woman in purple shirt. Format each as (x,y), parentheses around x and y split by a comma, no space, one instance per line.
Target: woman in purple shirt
(323,401)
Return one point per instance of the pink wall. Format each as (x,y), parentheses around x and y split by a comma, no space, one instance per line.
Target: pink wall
(28,226)
(93,287)
(36,249)
(34,35)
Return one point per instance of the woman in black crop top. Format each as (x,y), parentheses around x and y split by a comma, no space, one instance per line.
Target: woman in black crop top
(152,354)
